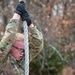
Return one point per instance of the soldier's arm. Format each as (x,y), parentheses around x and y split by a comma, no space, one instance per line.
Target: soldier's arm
(36,41)
(7,40)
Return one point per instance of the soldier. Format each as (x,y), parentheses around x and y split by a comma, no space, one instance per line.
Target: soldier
(12,43)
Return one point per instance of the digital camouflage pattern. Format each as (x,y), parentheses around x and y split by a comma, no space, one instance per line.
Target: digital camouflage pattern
(8,64)
(7,40)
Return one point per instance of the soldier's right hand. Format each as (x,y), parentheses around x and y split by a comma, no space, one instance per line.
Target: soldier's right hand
(21,10)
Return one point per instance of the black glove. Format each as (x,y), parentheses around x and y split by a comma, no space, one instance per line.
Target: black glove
(21,10)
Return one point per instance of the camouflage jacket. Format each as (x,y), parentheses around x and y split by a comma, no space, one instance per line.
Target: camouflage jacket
(8,64)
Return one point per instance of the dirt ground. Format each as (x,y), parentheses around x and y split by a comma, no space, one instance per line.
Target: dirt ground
(68,71)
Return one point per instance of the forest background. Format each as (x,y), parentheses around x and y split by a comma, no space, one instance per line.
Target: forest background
(56,20)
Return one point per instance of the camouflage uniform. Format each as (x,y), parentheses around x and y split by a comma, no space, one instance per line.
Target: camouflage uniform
(8,64)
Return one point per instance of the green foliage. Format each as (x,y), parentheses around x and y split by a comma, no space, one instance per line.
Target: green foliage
(47,63)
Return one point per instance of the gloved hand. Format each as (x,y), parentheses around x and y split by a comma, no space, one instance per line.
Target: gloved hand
(21,10)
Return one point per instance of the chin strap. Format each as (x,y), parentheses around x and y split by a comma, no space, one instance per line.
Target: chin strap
(26,47)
